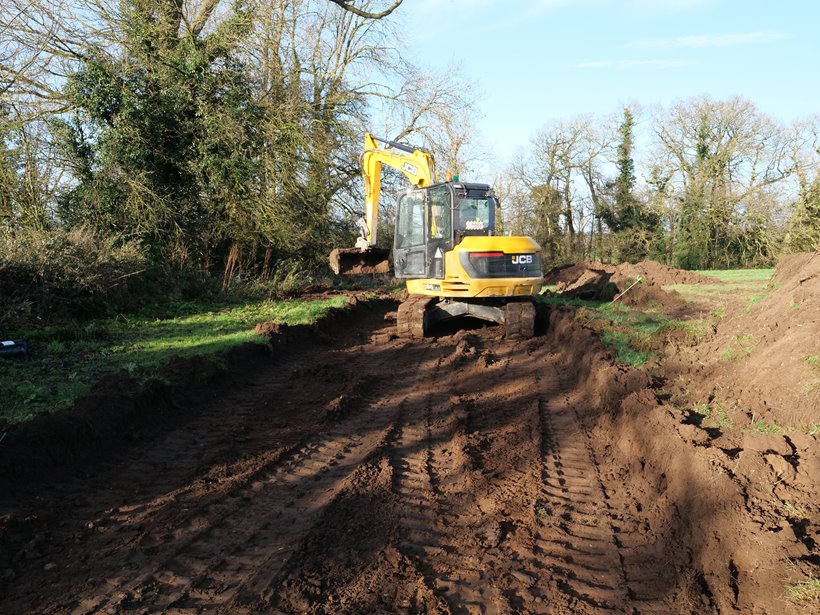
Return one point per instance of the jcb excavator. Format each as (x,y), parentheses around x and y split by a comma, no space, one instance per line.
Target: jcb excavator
(445,247)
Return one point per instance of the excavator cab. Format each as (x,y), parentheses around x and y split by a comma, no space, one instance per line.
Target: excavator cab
(432,221)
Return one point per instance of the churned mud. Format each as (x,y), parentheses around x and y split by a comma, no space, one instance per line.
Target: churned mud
(348,471)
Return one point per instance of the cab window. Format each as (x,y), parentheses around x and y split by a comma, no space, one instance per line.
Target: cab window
(475,214)
(410,227)
(440,214)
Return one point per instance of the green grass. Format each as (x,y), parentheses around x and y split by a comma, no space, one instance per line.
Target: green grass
(741,346)
(739,275)
(713,416)
(778,429)
(64,362)
(734,283)
(807,591)
(758,297)
(812,429)
(771,428)
(632,333)
(798,512)
(621,342)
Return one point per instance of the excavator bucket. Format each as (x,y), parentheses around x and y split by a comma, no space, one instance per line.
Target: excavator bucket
(353,261)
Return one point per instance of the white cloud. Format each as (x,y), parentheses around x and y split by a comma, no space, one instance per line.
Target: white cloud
(705,41)
(629,64)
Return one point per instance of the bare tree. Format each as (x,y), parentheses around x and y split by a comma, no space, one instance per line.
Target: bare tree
(721,157)
(435,110)
(803,146)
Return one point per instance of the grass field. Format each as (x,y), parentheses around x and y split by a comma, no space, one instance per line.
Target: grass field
(65,361)
(731,284)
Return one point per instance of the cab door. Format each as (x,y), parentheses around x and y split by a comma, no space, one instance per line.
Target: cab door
(409,246)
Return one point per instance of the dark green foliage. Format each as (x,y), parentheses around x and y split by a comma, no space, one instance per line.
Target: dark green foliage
(165,141)
(77,273)
(8,179)
(635,225)
(626,212)
(804,230)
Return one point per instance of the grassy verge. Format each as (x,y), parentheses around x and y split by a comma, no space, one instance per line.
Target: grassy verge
(65,361)
(633,333)
(739,275)
(747,285)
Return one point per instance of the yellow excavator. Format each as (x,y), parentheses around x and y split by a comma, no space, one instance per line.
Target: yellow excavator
(446,247)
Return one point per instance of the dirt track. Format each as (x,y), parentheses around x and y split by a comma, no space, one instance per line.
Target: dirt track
(359,473)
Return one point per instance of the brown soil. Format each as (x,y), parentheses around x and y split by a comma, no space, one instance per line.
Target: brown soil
(651,271)
(764,359)
(638,285)
(348,471)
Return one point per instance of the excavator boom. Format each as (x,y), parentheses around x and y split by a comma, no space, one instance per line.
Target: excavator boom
(417,165)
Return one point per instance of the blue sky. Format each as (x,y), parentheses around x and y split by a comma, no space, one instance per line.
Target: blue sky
(540,60)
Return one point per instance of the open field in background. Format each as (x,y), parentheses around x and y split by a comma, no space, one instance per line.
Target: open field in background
(731,284)
(635,333)
(65,361)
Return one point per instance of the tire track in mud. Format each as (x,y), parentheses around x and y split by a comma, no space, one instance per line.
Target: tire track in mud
(429,469)
(236,554)
(195,569)
(574,537)
(581,537)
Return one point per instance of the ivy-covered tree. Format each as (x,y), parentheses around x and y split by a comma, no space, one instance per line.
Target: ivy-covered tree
(164,138)
(8,178)
(635,225)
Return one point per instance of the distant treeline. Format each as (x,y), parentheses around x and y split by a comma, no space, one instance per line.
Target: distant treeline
(720,185)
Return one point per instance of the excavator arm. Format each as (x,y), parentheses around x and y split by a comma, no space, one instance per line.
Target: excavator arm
(418,167)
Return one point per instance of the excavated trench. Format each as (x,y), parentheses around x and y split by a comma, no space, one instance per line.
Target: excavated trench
(348,471)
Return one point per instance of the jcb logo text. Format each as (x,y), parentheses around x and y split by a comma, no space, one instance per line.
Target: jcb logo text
(522,259)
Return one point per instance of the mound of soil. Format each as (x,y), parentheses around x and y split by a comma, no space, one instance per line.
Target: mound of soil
(603,282)
(652,272)
(664,275)
(743,511)
(763,359)
(566,274)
